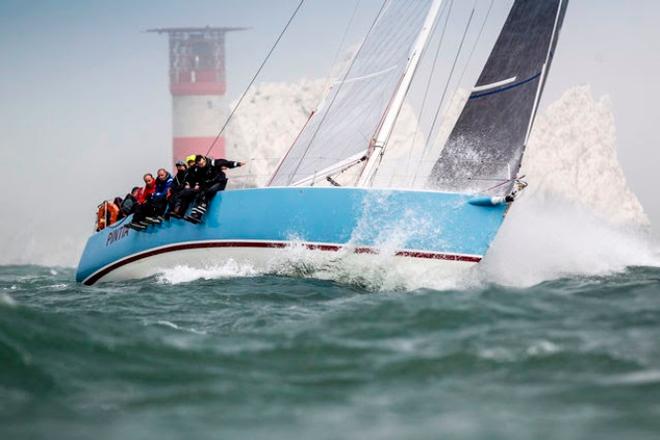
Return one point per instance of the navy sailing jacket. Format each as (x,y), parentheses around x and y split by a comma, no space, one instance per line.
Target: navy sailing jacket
(162,187)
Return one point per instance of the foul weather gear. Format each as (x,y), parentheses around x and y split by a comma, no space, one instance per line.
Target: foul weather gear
(145,192)
(128,205)
(162,187)
(209,180)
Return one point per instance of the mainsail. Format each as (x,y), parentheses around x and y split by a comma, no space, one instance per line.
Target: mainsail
(341,130)
(485,148)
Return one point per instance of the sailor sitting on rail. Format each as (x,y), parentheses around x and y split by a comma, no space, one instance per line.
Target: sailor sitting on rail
(203,181)
(178,184)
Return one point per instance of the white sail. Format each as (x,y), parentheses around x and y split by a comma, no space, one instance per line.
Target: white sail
(354,109)
(390,118)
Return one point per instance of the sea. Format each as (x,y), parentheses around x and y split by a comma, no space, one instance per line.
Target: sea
(554,336)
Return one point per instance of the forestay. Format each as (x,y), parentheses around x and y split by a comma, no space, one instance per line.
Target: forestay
(485,148)
(341,130)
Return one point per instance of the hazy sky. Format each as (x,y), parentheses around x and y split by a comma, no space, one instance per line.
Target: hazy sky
(85,108)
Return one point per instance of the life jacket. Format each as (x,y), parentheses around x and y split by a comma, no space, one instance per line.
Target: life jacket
(106,215)
(145,193)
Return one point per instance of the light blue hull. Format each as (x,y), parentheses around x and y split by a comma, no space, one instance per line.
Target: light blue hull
(419,224)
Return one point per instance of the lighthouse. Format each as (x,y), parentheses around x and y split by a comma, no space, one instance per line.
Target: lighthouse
(198,85)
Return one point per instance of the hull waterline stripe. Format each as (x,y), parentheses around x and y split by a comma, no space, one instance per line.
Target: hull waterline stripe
(273,245)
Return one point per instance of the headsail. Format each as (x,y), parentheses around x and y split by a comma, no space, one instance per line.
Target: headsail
(489,138)
(343,127)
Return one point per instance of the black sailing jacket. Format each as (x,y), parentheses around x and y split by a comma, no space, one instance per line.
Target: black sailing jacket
(212,173)
(179,180)
(128,205)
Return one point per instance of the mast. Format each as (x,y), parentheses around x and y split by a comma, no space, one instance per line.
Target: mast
(382,135)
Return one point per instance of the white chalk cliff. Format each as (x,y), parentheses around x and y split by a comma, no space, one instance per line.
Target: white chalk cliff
(572,150)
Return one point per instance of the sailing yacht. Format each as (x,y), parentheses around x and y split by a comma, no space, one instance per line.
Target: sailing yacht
(446,226)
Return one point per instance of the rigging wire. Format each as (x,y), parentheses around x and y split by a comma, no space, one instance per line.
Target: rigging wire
(327,86)
(469,59)
(405,95)
(428,82)
(444,92)
(270,52)
(451,73)
(334,97)
(341,44)
(483,25)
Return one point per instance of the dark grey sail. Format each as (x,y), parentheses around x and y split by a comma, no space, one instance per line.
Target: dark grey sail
(485,148)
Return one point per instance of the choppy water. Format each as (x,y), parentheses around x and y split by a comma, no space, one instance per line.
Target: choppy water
(282,357)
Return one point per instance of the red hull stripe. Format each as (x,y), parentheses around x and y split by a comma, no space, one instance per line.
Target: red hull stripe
(277,245)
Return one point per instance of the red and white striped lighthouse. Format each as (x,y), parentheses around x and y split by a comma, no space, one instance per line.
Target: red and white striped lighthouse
(198,85)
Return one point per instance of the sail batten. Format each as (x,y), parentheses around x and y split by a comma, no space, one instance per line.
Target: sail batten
(489,138)
(494,85)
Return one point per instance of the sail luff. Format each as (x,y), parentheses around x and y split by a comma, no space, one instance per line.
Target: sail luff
(544,72)
(561,9)
(384,131)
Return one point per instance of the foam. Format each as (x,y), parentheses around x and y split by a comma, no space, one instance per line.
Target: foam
(7,300)
(186,274)
(550,237)
(172,325)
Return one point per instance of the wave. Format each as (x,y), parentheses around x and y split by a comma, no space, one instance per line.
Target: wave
(186,274)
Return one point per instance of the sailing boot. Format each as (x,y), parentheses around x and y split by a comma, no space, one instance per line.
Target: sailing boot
(176,212)
(200,209)
(194,217)
(136,226)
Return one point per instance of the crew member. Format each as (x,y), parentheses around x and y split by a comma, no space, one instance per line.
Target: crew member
(158,200)
(118,201)
(185,193)
(209,177)
(178,184)
(143,207)
(130,202)
(148,189)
